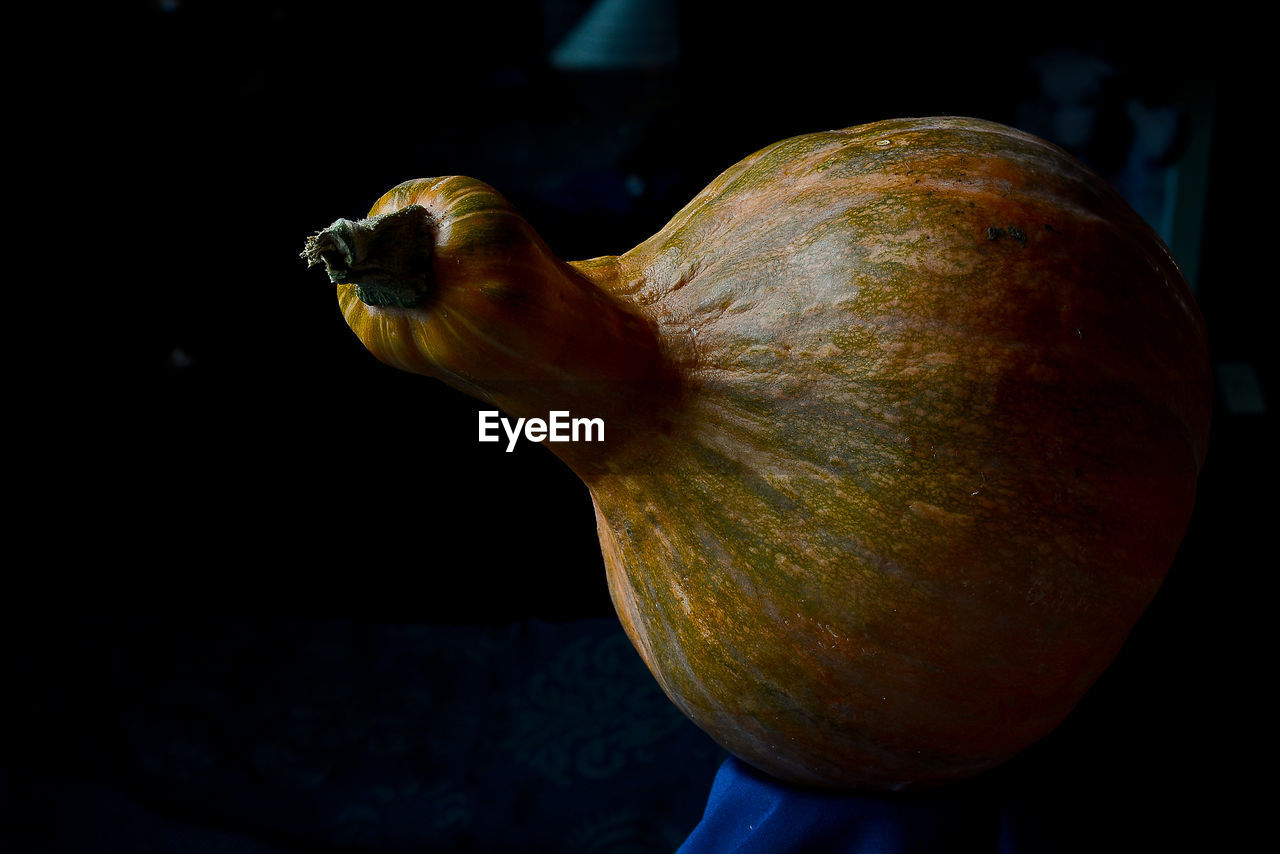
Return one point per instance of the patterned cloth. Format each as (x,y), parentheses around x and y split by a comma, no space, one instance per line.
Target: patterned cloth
(271,737)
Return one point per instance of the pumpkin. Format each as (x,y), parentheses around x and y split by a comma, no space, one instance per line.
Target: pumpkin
(903,428)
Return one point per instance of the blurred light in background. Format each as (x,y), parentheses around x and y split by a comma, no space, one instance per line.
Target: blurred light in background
(621,35)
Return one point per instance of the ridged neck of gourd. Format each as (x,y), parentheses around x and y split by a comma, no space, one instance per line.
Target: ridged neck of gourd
(446,279)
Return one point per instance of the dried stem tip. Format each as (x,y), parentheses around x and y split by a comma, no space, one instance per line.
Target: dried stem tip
(387,258)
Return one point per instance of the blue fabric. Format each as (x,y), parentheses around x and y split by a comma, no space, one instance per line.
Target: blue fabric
(749,812)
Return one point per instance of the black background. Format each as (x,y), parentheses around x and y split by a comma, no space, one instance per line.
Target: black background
(236,451)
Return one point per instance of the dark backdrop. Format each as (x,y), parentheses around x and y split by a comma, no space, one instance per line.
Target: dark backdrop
(231,454)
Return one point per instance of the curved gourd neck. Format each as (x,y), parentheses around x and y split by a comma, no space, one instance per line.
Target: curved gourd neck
(446,279)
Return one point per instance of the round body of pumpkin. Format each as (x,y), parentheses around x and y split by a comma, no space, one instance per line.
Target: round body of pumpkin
(904,424)
(950,398)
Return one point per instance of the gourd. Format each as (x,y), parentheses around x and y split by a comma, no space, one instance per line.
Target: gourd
(903,424)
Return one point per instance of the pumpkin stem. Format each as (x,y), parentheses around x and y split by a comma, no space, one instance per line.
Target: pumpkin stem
(387,258)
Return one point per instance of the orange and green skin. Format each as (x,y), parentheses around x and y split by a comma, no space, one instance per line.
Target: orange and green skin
(904,427)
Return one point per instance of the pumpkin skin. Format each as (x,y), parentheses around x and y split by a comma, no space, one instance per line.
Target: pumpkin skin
(904,423)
